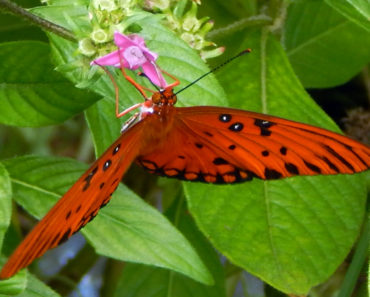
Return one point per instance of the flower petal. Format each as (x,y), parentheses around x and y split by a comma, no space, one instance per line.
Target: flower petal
(123,41)
(111,59)
(154,74)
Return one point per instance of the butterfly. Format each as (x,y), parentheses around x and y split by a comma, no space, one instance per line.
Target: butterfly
(202,143)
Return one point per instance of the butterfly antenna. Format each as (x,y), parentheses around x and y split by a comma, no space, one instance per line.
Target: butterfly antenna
(246,51)
(144,75)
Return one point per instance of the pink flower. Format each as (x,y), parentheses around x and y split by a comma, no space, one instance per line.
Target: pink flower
(134,54)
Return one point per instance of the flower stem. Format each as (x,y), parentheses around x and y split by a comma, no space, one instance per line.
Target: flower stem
(12,8)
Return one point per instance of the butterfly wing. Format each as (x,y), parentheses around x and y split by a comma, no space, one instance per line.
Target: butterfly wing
(224,145)
(80,204)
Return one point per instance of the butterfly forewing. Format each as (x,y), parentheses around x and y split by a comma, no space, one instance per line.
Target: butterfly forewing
(223,145)
(80,204)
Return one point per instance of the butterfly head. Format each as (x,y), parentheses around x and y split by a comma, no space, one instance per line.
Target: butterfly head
(165,97)
(160,103)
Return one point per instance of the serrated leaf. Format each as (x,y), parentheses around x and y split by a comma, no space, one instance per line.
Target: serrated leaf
(5,202)
(321,44)
(357,11)
(32,93)
(128,229)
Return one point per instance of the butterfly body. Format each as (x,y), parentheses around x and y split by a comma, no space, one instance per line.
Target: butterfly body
(202,143)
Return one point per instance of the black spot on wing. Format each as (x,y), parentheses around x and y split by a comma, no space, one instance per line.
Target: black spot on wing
(265,132)
(116,149)
(199,145)
(225,118)
(283,150)
(220,161)
(312,167)
(263,123)
(232,147)
(236,127)
(291,168)
(107,165)
(265,153)
(272,174)
(264,126)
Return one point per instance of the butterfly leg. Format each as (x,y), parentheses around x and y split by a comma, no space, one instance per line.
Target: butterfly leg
(130,121)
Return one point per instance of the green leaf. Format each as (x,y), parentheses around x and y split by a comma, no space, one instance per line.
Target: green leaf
(322,45)
(128,229)
(32,93)
(291,233)
(357,11)
(263,81)
(139,280)
(14,285)
(13,28)
(35,287)
(66,15)
(5,202)
(104,128)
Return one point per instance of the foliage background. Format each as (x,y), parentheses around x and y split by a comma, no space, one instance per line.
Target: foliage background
(292,234)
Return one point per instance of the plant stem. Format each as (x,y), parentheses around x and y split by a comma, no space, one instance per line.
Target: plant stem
(12,8)
(260,20)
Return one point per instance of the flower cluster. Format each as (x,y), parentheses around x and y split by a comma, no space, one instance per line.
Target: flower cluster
(186,24)
(108,16)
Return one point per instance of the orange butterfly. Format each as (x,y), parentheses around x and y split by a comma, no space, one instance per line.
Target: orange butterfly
(202,143)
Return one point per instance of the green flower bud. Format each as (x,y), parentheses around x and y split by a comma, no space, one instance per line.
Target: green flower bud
(212,53)
(190,22)
(99,36)
(86,47)
(108,5)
